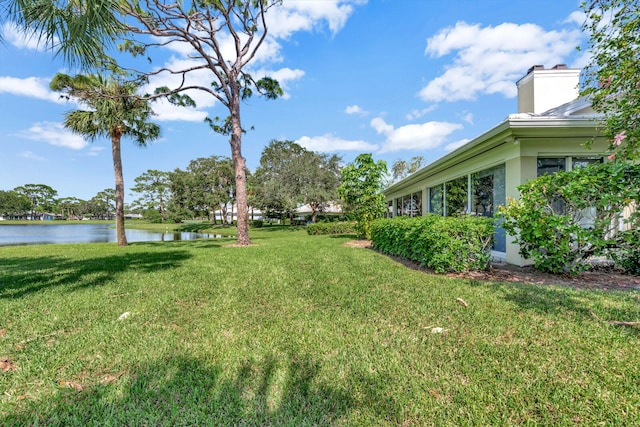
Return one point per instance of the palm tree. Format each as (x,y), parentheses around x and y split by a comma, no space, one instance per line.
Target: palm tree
(113,111)
(80,30)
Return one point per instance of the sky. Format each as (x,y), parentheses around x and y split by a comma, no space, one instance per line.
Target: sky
(395,78)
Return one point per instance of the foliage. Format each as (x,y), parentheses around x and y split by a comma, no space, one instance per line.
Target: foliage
(341,227)
(112,110)
(41,196)
(361,191)
(80,30)
(103,203)
(257,223)
(442,244)
(290,175)
(206,186)
(564,218)
(613,75)
(628,258)
(402,168)
(13,203)
(153,186)
(70,207)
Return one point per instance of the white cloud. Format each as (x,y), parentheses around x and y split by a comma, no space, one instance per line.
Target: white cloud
(165,111)
(305,15)
(454,145)
(489,60)
(94,151)
(416,114)
(415,136)
(33,87)
(22,39)
(54,134)
(329,143)
(353,109)
(31,155)
(466,116)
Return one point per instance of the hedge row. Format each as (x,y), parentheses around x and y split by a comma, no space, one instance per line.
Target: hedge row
(343,227)
(442,244)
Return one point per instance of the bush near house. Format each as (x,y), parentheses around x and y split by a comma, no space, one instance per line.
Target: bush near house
(442,244)
(563,219)
(342,227)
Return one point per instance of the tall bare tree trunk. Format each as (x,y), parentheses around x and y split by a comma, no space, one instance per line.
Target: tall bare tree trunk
(239,169)
(117,172)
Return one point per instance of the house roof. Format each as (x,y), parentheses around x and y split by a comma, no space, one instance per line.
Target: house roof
(564,120)
(331,208)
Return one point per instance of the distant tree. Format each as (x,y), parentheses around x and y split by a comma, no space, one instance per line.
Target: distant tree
(13,203)
(290,175)
(613,75)
(181,203)
(207,28)
(103,203)
(69,207)
(361,191)
(112,112)
(402,168)
(153,186)
(207,185)
(321,174)
(42,197)
(278,181)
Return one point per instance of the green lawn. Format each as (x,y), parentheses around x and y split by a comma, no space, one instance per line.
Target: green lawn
(299,330)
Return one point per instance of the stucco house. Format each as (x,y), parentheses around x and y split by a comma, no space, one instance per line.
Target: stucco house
(547,134)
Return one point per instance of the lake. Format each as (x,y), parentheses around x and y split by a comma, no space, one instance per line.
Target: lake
(38,234)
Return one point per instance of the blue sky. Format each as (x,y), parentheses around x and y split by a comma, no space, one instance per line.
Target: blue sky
(397,78)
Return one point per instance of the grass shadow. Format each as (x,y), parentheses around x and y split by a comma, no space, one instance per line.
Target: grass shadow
(184,390)
(279,228)
(552,300)
(345,236)
(205,227)
(23,276)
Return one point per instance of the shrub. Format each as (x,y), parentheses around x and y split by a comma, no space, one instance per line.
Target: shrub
(442,244)
(628,258)
(563,219)
(257,223)
(152,215)
(343,227)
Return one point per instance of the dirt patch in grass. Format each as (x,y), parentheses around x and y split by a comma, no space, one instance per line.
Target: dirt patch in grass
(605,278)
(601,278)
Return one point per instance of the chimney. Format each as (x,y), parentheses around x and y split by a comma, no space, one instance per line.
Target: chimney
(543,89)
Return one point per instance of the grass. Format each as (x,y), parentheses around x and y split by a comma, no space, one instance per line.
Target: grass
(299,330)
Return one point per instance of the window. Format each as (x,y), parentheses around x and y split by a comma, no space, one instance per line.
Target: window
(409,205)
(456,196)
(581,162)
(436,200)
(487,193)
(548,165)
(477,194)
(551,165)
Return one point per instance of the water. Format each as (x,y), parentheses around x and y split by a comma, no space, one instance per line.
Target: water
(38,234)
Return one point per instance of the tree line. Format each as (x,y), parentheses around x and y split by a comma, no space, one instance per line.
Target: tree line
(37,201)
(287,177)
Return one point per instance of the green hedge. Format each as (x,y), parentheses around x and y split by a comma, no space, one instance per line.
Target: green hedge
(442,244)
(343,227)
